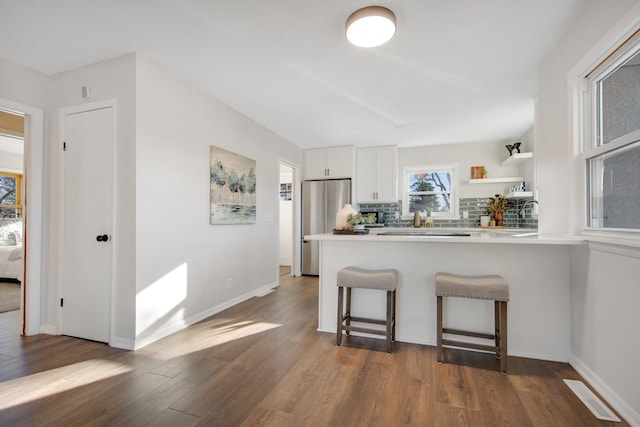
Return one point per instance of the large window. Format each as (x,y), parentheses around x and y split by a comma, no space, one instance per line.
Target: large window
(430,189)
(10,185)
(612,149)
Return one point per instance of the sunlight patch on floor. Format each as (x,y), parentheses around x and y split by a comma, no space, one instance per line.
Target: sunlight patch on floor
(219,335)
(48,383)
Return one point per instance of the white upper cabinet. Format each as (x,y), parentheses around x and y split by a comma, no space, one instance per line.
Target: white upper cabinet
(328,163)
(377,175)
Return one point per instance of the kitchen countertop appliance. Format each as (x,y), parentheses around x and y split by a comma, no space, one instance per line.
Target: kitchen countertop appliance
(321,200)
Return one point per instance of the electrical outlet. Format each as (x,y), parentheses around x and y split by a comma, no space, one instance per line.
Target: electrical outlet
(229,283)
(465,214)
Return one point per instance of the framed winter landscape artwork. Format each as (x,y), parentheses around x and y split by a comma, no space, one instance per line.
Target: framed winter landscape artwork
(232,188)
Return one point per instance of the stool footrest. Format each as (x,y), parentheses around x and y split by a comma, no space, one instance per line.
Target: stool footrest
(364,320)
(350,328)
(468,333)
(453,343)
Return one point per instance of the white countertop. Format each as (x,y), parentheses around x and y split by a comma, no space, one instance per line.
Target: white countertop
(477,235)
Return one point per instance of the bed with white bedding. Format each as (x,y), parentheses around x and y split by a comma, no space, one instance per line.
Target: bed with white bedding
(11,263)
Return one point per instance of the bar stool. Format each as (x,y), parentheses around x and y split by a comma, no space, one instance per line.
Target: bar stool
(491,287)
(384,280)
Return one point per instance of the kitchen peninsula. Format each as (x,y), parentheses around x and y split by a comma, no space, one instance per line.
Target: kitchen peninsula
(538,271)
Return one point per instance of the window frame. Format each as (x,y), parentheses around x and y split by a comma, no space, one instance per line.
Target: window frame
(454,194)
(18,205)
(592,146)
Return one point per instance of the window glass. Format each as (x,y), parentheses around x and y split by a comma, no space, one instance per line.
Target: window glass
(613,155)
(429,189)
(615,181)
(620,101)
(10,195)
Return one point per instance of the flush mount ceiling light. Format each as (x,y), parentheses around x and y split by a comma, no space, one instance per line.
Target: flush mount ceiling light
(371,26)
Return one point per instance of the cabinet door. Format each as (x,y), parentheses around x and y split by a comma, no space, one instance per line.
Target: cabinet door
(366,175)
(386,167)
(340,162)
(315,163)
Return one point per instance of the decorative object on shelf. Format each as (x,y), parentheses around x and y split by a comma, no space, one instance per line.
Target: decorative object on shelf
(417,221)
(343,214)
(484,220)
(428,221)
(518,188)
(478,172)
(498,205)
(358,220)
(515,146)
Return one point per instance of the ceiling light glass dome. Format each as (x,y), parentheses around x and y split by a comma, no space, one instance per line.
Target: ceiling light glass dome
(371,26)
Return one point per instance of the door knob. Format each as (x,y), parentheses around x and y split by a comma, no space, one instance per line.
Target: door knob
(102,238)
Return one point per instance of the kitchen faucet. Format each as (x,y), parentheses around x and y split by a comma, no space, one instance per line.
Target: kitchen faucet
(521,210)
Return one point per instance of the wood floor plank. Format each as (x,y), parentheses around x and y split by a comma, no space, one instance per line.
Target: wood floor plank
(263,362)
(171,418)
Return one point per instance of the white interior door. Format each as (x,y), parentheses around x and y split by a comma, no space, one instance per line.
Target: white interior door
(88,222)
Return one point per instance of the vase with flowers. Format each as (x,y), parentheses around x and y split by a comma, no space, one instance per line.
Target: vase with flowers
(497,206)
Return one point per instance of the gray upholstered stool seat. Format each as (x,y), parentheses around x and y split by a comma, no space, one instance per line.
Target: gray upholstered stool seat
(489,287)
(355,277)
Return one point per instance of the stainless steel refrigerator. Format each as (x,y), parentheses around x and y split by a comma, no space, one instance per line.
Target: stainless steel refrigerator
(321,200)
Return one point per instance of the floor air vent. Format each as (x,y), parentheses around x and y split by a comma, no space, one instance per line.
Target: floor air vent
(591,401)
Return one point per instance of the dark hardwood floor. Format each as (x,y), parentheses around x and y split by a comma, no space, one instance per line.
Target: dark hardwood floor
(263,363)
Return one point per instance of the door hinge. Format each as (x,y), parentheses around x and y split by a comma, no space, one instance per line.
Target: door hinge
(64,146)
(61,302)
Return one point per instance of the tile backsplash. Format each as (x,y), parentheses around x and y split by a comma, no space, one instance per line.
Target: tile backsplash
(474,206)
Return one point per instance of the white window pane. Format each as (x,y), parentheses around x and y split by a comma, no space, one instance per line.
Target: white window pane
(614,184)
(620,103)
(432,203)
(430,181)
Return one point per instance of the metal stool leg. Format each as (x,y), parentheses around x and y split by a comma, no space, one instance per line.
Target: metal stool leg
(503,337)
(389,319)
(348,312)
(339,328)
(439,329)
(497,328)
(393,331)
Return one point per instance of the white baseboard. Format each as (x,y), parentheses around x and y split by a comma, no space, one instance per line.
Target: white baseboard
(123,343)
(177,326)
(409,340)
(48,329)
(612,398)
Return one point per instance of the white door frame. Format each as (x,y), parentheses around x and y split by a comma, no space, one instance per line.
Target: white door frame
(296,269)
(63,112)
(34,169)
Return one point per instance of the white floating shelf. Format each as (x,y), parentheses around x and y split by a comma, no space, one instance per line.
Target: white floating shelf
(520,195)
(516,159)
(496,180)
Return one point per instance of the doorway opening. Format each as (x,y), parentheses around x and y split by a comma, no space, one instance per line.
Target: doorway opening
(12,225)
(287,220)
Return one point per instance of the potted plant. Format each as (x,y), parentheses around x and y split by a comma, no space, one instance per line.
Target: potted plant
(357,220)
(498,205)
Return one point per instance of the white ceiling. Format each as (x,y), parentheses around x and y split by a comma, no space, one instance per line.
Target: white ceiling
(456,71)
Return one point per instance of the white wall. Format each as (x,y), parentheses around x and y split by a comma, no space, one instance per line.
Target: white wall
(25,90)
(604,285)
(488,154)
(184,264)
(23,85)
